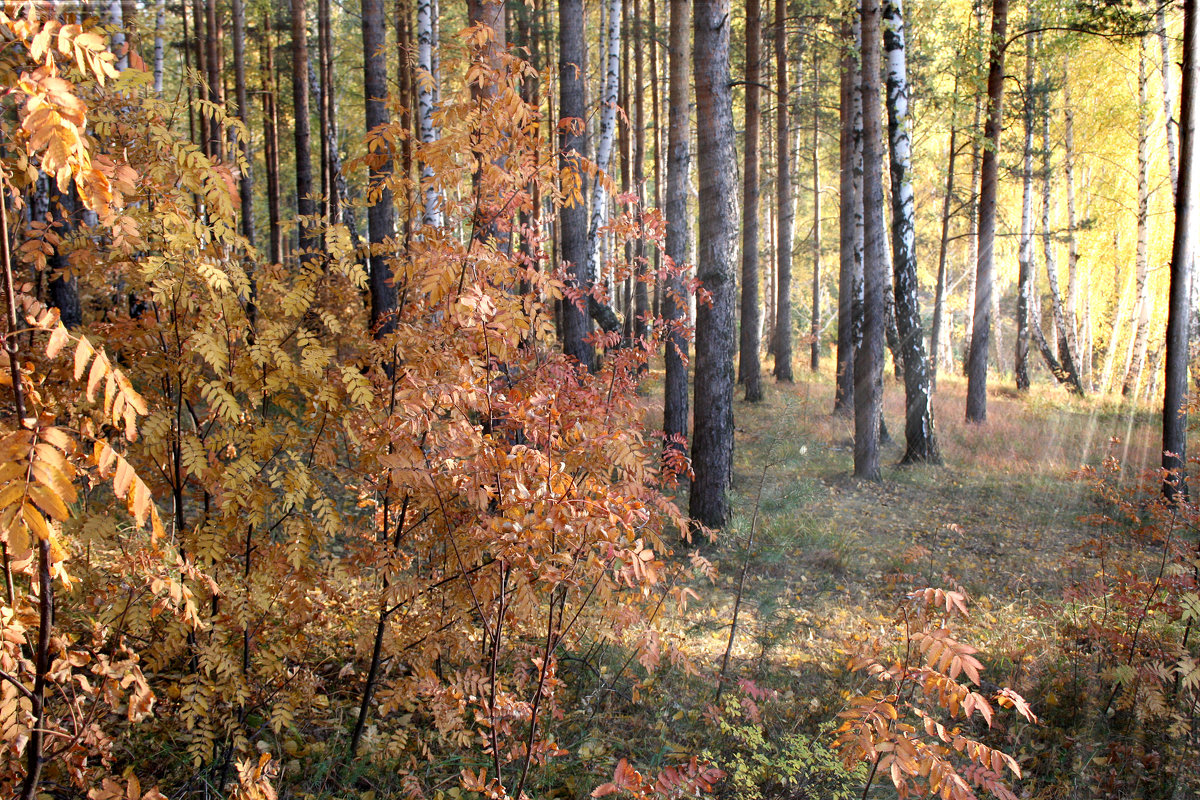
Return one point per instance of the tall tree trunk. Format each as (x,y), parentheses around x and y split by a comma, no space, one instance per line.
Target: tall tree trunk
(850,255)
(1183,252)
(1072,220)
(981,43)
(749,369)
(1064,336)
(675,302)
(655,114)
(246,185)
(868,360)
(782,344)
(160,21)
(201,52)
(1025,282)
(815,328)
(270,94)
(1168,95)
(712,444)
(381,223)
(939,299)
(572,71)
(212,59)
(625,149)
(329,116)
(426,92)
(404,80)
(607,137)
(989,178)
(641,301)
(920,441)
(305,203)
(1133,376)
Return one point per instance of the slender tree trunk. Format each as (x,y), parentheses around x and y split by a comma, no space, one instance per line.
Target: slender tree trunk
(246,185)
(329,113)
(989,178)
(1168,95)
(160,22)
(572,72)
(270,94)
(920,440)
(641,298)
(1183,253)
(212,59)
(1133,376)
(305,203)
(426,94)
(655,124)
(782,345)
(1065,339)
(850,256)
(749,369)
(973,204)
(625,149)
(712,445)
(201,53)
(381,223)
(939,300)
(675,301)
(815,328)
(1072,220)
(607,137)
(1025,281)
(868,359)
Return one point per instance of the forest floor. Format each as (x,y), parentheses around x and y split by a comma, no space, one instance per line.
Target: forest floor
(831,555)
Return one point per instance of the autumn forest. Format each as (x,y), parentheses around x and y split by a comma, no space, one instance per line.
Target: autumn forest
(655,399)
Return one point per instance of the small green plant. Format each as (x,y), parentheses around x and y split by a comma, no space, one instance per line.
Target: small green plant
(765,764)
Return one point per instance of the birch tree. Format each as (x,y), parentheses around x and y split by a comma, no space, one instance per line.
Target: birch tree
(850,214)
(606,140)
(920,441)
(1141,325)
(426,91)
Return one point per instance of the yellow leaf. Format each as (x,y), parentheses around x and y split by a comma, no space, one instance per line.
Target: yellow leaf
(58,339)
(83,354)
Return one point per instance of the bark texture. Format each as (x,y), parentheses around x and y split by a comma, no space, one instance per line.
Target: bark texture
(749,368)
(712,444)
(381,218)
(572,71)
(674,302)
(782,339)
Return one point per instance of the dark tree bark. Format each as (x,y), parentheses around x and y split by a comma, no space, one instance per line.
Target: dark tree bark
(200,49)
(641,301)
(675,303)
(712,443)
(215,81)
(977,362)
(815,326)
(850,249)
(868,359)
(381,221)
(1183,253)
(305,203)
(782,346)
(270,95)
(572,70)
(749,368)
(246,185)
(920,440)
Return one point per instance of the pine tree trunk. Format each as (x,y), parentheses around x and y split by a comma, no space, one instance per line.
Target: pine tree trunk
(1183,252)
(270,95)
(201,53)
(850,253)
(212,59)
(641,307)
(381,222)
(920,440)
(782,344)
(305,203)
(988,180)
(246,185)
(815,328)
(572,71)
(868,360)
(1025,282)
(973,205)
(712,442)
(749,369)
(655,124)
(675,302)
